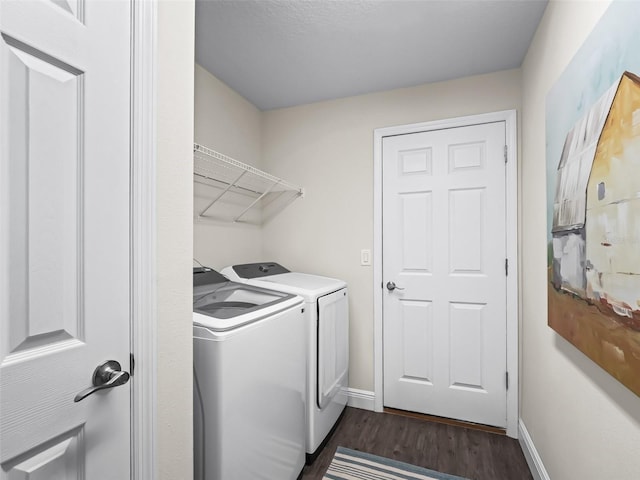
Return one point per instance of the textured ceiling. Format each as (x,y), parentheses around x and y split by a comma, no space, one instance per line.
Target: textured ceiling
(280,53)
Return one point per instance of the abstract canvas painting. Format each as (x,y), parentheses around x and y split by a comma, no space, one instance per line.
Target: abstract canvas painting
(593,196)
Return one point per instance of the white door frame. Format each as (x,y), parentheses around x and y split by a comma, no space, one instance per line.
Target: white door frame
(143,239)
(509,117)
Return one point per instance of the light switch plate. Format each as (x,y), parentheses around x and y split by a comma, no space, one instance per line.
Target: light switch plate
(365,258)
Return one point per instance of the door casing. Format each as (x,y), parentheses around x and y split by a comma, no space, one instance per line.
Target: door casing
(509,117)
(143,239)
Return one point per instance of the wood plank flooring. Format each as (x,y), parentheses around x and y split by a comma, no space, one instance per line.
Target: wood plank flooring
(472,454)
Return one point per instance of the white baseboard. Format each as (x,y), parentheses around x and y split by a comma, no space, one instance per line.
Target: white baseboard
(531,454)
(360,399)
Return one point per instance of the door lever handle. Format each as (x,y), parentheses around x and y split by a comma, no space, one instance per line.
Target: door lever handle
(107,375)
(391,286)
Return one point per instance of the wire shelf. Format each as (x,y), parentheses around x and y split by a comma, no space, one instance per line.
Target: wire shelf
(229,190)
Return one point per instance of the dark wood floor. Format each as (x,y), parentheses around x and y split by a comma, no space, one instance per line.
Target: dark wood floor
(449,449)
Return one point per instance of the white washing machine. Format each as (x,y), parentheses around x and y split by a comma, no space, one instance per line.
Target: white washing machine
(327,319)
(249,381)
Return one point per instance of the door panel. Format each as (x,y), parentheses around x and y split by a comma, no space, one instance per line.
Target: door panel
(466,208)
(444,327)
(417,225)
(64,236)
(465,355)
(417,347)
(43,118)
(60,459)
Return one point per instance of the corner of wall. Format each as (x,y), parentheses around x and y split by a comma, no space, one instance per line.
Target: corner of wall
(228,123)
(174,200)
(534,461)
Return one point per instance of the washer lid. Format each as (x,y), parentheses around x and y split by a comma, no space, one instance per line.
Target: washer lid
(222,325)
(306,285)
(228,305)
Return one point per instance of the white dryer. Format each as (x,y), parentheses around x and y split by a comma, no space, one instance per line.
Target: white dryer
(327,323)
(249,381)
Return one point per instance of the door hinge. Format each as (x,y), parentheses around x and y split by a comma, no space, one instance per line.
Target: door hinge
(505,154)
(506,266)
(506,379)
(132,363)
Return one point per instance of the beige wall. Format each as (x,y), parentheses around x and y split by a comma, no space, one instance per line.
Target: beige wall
(174,190)
(583,422)
(229,124)
(327,147)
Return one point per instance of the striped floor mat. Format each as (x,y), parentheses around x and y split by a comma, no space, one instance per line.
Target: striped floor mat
(350,464)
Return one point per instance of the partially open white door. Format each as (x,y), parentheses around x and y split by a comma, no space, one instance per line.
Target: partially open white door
(64,238)
(444,251)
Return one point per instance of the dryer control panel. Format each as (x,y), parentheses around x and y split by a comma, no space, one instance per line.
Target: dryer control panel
(258,270)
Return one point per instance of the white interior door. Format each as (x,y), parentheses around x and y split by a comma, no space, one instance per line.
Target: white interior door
(64,237)
(444,247)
